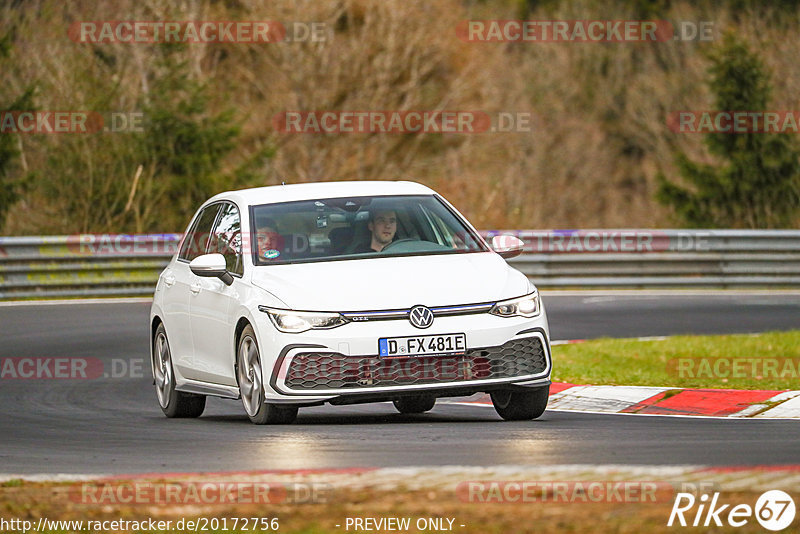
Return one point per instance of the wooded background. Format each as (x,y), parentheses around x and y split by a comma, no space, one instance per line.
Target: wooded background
(598,147)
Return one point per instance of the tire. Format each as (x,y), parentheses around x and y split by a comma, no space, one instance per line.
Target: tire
(520,404)
(416,404)
(250,376)
(173,403)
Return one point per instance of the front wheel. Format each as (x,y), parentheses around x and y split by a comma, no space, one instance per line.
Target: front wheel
(417,404)
(251,385)
(520,404)
(173,403)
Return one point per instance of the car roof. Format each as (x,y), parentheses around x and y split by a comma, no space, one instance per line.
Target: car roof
(309,191)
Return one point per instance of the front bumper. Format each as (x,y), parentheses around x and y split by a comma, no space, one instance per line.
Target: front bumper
(343,363)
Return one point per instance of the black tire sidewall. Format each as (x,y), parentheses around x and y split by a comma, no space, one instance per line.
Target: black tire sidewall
(521,405)
(267,413)
(172,399)
(178,404)
(248,331)
(416,404)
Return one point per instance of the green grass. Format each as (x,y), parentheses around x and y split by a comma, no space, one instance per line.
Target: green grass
(673,361)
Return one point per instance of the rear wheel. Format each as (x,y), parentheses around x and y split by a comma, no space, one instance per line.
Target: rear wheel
(173,403)
(251,385)
(520,404)
(416,404)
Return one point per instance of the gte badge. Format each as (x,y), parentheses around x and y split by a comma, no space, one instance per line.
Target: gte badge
(774,510)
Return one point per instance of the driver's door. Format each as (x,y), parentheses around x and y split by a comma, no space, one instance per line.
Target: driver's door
(211,304)
(177,280)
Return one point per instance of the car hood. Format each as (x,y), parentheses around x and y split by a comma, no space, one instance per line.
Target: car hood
(392,283)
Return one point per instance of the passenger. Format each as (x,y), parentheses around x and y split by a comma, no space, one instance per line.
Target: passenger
(269,240)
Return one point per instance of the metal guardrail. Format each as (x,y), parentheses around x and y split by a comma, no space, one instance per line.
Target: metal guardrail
(83,265)
(113,264)
(660,258)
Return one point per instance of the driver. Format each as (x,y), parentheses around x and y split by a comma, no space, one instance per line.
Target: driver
(382,226)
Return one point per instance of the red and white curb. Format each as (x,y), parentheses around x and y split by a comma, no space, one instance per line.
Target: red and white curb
(644,400)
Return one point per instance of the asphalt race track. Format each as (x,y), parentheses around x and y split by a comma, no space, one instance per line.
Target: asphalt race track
(114,425)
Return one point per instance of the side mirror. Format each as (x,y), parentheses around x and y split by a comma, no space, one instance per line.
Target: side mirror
(211,266)
(508,246)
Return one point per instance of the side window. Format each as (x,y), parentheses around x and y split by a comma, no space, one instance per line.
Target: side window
(194,244)
(441,234)
(442,228)
(227,238)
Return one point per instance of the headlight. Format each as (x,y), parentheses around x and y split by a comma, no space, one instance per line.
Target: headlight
(527,306)
(294,322)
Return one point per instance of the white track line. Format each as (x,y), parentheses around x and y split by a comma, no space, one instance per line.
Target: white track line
(597,412)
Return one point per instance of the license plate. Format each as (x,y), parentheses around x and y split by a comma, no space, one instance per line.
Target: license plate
(438,345)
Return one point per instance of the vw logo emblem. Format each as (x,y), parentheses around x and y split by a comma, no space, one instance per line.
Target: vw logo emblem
(421,317)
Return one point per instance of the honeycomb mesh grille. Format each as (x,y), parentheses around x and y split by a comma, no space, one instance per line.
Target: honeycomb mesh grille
(326,370)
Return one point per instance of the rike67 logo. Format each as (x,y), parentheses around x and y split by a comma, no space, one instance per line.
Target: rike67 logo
(774,510)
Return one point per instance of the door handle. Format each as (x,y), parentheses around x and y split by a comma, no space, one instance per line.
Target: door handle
(195,288)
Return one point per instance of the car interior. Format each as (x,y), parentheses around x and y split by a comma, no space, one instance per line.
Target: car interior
(304,236)
(334,228)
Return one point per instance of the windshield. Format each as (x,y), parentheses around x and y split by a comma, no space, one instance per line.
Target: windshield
(358,227)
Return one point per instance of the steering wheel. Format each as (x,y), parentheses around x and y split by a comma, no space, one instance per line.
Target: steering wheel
(393,243)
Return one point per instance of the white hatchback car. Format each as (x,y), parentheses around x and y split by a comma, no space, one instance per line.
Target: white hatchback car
(344,292)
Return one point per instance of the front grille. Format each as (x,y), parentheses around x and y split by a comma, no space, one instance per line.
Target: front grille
(325,370)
